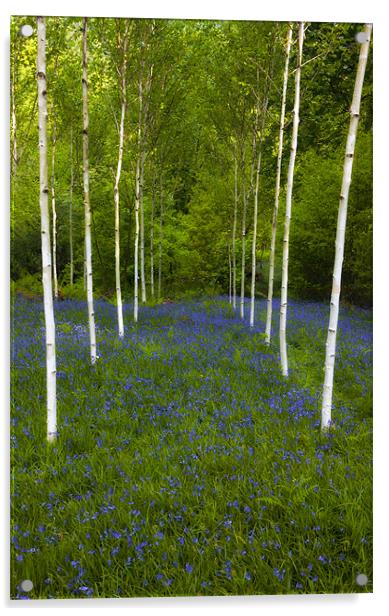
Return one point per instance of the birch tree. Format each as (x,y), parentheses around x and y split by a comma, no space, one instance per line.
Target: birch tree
(256,191)
(53,207)
(123,96)
(234,225)
(288,209)
(71,208)
(45,235)
(138,180)
(364,39)
(243,257)
(152,240)
(161,213)
(277,191)
(136,247)
(87,209)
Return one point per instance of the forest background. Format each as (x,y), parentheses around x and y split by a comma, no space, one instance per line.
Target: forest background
(194,90)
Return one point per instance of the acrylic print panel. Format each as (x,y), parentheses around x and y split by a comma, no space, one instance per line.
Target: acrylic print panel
(157,450)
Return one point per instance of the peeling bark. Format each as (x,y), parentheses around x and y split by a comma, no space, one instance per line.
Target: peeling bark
(234,224)
(288,210)
(123,86)
(54,210)
(45,235)
(277,192)
(88,217)
(340,233)
(71,209)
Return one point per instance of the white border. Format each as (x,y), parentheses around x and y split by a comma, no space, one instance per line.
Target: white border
(328,10)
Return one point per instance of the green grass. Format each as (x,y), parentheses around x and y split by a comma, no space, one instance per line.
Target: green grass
(185,464)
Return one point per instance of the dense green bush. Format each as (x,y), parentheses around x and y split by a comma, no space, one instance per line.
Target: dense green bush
(313,229)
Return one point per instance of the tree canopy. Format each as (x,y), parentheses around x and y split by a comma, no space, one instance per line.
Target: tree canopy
(202,83)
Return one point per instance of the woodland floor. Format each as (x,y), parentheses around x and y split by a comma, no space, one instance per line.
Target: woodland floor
(185,464)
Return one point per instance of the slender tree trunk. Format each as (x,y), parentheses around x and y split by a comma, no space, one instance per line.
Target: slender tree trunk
(277,192)
(152,242)
(54,210)
(255,220)
(160,236)
(288,210)
(341,231)
(234,224)
(136,249)
(142,226)
(116,191)
(243,232)
(243,268)
(45,235)
(88,217)
(71,209)
(230,274)
(139,214)
(246,195)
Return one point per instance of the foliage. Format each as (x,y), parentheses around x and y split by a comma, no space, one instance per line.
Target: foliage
(313,231)
(207,79)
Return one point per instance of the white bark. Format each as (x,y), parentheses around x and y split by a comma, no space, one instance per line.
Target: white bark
(288,209)
(160,236)
(255,220)
(136,250)
(277,192)
(142,225)
(71,209)
(88,220)
(234,233)
(152,242)
(230,274)
(243,265)
(340,233)
(246,196)
(116,190)
(45,235)
(54,210)
(139,213)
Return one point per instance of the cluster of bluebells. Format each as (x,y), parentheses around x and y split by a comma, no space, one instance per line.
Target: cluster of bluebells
(185,464)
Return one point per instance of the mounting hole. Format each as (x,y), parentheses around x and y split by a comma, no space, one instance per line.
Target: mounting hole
(361,579)
(26,585)
(361,37)
(26,30)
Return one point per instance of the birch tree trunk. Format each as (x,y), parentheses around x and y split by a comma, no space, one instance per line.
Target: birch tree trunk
(230,274)
(152,242)
(53,210)
(234,224)
(88,218)
(288,210)
(255,219)
(136,248)
(139,215)
(160,236)
(243,265)
(341,230)
(116,189)
(45,235)
(277,192)
(142,224)
(246,196)
(71,209)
